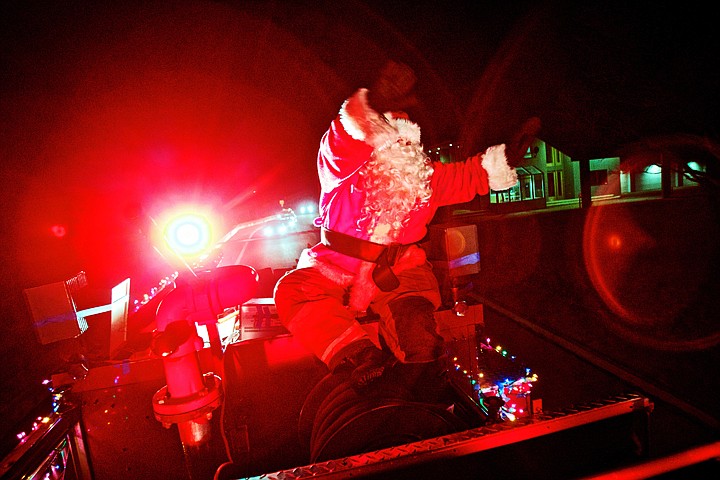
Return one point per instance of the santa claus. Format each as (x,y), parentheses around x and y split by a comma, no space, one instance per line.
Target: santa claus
(379,193)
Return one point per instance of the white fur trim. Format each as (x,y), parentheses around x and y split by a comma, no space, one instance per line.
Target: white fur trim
(363,288)
(501,176)
(407,130)
(335,274)
(365,124)
(401,130)
(353,333)
(360,121)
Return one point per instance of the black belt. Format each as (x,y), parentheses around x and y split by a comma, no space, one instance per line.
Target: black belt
(384,256)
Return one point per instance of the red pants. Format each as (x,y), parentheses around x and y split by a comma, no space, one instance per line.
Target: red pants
(311,308)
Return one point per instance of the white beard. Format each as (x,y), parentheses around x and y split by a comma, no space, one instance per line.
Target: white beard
(396,181)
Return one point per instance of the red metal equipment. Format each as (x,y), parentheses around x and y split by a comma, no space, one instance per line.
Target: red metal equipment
(191,395)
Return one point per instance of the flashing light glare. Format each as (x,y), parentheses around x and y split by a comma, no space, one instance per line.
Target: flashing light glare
(614,241)
(307,209)
(188,234)
(268,231)
(653,169)
(282,229)
(58,231)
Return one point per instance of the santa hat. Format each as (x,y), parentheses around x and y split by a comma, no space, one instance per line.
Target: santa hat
(379,130)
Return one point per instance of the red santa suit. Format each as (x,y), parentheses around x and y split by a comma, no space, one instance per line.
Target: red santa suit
(379,189)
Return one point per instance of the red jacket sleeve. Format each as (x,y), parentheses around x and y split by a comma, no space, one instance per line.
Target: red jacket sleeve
(459,182)
(339,156)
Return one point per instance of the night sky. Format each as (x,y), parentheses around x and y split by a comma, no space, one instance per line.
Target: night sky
(115,111)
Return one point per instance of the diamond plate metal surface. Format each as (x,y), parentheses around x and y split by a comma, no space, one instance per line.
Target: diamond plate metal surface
(465,442)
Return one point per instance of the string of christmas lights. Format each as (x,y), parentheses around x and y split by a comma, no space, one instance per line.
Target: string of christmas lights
(515,392)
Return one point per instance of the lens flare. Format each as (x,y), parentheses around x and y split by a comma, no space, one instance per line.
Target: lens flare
(188,234)
(647,290)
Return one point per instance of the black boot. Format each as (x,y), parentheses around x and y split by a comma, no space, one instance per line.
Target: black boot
(363,361)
